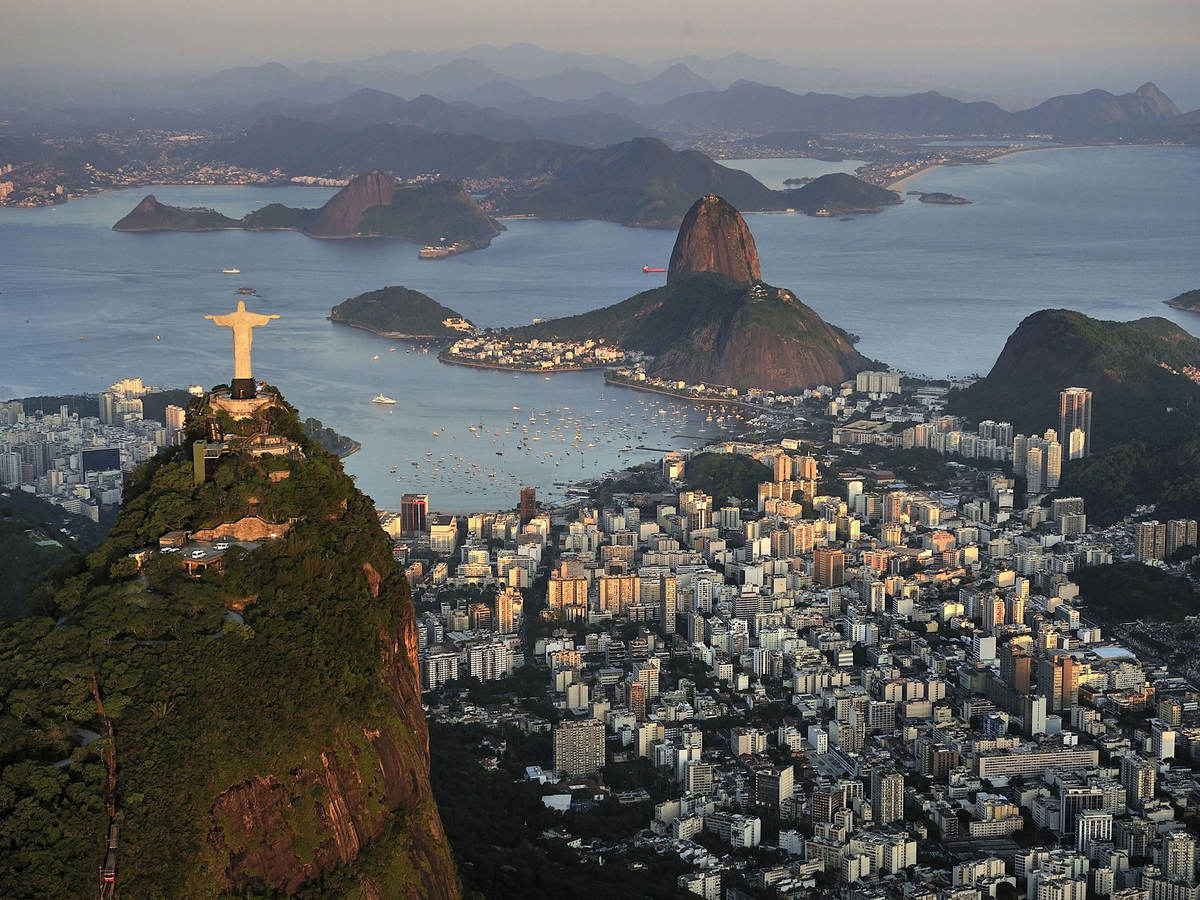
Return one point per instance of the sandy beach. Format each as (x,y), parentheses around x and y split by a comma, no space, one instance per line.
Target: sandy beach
(900,183)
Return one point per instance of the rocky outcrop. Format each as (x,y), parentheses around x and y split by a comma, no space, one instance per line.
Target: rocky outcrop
(150,215)
(715,321)
(714,238)
(344,212)
(371,205)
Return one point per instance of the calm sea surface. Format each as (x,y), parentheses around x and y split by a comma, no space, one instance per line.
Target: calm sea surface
(930,289)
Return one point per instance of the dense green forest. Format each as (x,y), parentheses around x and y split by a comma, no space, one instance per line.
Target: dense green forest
(35,538)
(1126,591)
(723,475)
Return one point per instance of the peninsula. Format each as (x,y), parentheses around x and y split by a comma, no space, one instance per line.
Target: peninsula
(440,213)
(1188,301)
(715,321)
(402,314)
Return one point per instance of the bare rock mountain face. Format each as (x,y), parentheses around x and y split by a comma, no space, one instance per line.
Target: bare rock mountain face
(715,321)
(714,238)
(345,210)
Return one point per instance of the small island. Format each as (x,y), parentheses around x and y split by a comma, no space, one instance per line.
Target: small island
(439,215)
(1189,301)
(939,197)
(402,315)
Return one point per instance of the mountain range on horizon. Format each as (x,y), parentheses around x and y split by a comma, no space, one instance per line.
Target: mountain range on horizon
(527,89)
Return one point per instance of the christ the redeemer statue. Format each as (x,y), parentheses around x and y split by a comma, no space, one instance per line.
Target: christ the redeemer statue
(242,322)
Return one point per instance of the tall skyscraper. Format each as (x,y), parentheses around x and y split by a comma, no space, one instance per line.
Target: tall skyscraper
(414,512)
(1180,533)
(1075,411)
(1053,463)
(1034,469)
(528,504)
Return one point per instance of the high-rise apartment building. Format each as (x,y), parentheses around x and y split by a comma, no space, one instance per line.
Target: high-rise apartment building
(1138,776)
(528,504)
(414,513)
(1180,533)
(1150,541)
(505,618)
(1075,411)
(829,566)
(887,796)
(579,747)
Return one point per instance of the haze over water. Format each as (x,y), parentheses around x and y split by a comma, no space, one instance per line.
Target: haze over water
(930,289)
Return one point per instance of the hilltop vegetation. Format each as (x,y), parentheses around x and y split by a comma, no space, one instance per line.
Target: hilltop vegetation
(722,475)
(35,538)
(1136,371)
(1145,409)
(244,706)
(397,312)
(1126,591)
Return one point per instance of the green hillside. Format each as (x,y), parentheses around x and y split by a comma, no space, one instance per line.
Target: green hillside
(1145,410)
(236,711)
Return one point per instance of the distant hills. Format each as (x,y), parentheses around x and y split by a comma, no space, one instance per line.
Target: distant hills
(714,322)
(757,107)
(639,182)
(399,313)
(371,205)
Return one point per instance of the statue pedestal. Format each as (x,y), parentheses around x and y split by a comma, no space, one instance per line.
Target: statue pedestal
(242,389)
(241,407)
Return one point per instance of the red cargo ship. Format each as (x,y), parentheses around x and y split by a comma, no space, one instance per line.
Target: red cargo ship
(649,269)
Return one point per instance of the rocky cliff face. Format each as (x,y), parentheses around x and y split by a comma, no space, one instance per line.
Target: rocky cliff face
(344,212)
(286,832)
(714,238)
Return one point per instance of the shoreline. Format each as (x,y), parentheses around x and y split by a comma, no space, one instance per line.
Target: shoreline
(498,367)
(395,335)
(900,183)
(674,395)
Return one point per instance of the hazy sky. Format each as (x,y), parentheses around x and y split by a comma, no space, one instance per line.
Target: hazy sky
(944,36)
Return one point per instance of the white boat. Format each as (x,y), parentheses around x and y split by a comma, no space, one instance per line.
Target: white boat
(383,401)
(231,271)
